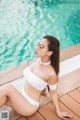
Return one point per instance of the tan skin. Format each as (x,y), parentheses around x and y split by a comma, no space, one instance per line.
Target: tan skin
(13,98)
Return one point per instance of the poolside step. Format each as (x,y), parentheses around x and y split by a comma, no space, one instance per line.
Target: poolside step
(67,79)
(69,82)
(66,83)
(70,52)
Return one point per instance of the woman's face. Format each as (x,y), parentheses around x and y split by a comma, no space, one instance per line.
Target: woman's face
(42,48)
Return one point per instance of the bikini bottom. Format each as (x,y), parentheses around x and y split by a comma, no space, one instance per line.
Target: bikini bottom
(23,92)
(29,99)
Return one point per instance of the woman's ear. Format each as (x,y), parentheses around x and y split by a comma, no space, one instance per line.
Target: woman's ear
(50,53)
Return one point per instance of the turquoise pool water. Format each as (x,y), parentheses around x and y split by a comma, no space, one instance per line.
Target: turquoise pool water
(22,25)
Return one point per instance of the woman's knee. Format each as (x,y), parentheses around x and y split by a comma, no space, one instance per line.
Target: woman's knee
(6,89)
(8,102)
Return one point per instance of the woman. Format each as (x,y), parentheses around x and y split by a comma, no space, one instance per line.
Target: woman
(44,71)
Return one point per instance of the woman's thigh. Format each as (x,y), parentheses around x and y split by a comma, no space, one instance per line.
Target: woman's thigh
(18,102)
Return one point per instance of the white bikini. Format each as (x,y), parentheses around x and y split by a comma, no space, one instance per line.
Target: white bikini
(35,82)
(33,79)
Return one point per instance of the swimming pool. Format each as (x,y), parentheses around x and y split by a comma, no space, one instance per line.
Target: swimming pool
(22,25)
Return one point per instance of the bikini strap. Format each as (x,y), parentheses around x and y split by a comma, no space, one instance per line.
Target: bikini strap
(53,87)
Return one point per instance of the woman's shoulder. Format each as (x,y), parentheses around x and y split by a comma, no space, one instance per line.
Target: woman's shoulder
(52,72)
(53,78)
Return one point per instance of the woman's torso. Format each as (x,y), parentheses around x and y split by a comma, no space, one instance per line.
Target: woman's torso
(36,71)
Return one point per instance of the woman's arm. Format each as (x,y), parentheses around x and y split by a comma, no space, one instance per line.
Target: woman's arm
(60,114)
(55,100)
(53,92)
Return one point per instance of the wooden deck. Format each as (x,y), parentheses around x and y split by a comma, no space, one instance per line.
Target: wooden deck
(69,99)
(69,102)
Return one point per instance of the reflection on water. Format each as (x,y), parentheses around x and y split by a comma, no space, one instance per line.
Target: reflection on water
(23,23)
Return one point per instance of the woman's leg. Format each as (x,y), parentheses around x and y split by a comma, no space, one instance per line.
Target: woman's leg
(3,97)
(12,97)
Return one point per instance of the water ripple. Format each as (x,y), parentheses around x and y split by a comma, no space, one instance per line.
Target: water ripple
(22,25)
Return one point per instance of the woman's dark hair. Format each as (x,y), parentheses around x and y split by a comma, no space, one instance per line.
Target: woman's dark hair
(54,47)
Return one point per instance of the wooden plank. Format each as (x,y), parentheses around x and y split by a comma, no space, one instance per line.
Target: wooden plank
(71,104)
(75,94)
(22,118)
(48,111)
(78,88)
(64,108)
(36,116)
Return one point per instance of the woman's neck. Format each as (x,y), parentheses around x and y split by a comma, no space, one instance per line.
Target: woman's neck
(44,61)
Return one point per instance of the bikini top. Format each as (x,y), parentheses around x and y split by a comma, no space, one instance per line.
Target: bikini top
(36,81)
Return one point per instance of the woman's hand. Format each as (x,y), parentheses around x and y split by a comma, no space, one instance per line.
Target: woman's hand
(64,115)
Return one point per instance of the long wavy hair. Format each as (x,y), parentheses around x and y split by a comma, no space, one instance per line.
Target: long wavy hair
(54,46)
